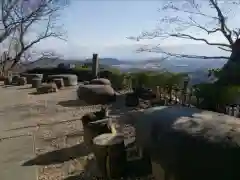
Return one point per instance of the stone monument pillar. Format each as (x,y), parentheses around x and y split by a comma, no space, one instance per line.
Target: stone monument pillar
(95,66)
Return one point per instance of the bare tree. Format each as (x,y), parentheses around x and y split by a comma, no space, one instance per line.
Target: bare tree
(38,22)
(7,22)
(189,17)
(194,17)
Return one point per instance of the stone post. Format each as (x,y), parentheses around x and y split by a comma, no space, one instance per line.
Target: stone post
(95,66)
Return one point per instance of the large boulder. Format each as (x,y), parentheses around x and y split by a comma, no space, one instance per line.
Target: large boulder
(68,79)
(47,88)
(96,94)
(100,81)
(189,143)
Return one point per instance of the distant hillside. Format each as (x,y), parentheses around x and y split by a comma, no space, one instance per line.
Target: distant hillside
(54,62)
(107,61)
(197,69)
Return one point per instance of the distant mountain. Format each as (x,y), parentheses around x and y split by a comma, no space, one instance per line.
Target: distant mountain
(54,62)
(196,68)
(172,65)
(107,61)
(155,64)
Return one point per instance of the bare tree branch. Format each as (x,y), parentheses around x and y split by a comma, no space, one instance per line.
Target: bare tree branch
(182,26)
(222,22)
(44,13)
(222,48)
(158,49)
(15,12)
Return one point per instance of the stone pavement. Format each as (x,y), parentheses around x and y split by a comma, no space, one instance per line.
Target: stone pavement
(14,152)
(20,147)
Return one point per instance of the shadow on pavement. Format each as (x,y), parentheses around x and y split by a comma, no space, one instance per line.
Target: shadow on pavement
(72,103)
(22,88)
(59,156)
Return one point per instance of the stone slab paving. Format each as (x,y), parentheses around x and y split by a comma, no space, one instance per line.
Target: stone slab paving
(14,152)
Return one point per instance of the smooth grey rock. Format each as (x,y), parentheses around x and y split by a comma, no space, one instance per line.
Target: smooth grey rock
(190,143)
(96,94)
(100,81)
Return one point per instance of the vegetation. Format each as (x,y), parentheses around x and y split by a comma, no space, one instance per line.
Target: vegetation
(206,18)
(20,32)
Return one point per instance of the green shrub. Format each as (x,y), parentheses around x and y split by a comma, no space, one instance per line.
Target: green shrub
(214,95)
(82,68)
(153,79)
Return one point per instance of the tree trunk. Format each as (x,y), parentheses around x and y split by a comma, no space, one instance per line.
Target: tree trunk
(230,74)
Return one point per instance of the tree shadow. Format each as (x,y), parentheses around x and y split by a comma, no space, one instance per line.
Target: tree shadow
(40,93)
(59,156)
(36,93)
(72,103)
(23,88)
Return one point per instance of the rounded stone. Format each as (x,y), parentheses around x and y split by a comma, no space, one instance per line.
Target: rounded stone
(68,79)
(100,81)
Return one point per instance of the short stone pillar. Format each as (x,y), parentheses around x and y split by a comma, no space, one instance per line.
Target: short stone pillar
(36,82)
(110,153)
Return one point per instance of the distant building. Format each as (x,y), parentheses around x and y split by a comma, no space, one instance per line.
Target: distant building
(66,65)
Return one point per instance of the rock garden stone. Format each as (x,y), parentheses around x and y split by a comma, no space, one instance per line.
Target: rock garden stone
(47,88)
(96,94)
(92,130)
(36,82)
(15,79)
(68,79)
(22,81)
(31,76)
(59,82)
(100,81)
(86,82)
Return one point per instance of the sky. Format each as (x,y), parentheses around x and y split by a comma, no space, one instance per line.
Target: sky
(102,26)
